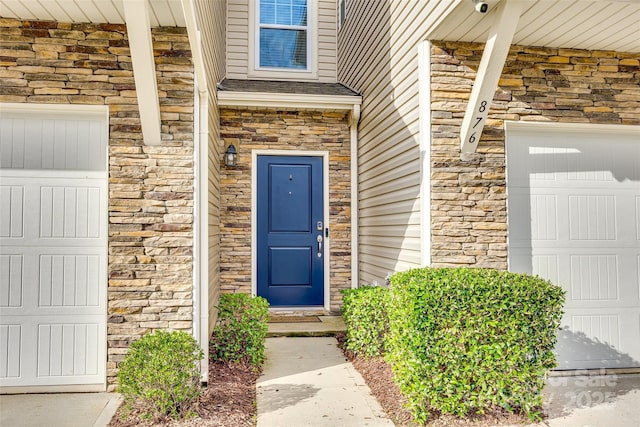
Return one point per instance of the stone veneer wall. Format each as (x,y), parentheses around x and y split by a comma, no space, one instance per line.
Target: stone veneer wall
(150,187)
(468,199)
(283,130)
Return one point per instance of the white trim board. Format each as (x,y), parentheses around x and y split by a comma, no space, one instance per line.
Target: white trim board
(288,100)
(254,214)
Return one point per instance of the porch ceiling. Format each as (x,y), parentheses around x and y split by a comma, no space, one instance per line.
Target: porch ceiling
(138,15)
(575,24)
(162,13)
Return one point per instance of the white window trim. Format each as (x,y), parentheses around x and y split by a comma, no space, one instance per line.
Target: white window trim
(255,71)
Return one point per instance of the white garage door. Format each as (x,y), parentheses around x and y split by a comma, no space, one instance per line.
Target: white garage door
(52,248)
(574,218)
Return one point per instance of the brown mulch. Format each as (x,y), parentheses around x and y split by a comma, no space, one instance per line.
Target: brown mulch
(228,401)
(378,376)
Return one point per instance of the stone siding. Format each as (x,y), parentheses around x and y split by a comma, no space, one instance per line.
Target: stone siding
(150,187)
(468,193)
(283,130)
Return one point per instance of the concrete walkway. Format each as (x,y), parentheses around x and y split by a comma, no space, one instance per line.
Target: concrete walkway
(308,382)
(58,410)
(593,401)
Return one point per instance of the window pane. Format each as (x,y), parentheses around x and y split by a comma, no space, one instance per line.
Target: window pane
(283,48)
(283,12)
(267,12)
(299,15)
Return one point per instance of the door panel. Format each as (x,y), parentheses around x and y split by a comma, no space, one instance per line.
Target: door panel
(290,259)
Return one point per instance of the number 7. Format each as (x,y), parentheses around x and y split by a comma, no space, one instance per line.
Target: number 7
(479,119)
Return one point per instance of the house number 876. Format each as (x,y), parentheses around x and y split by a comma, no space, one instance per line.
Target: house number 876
(481,109)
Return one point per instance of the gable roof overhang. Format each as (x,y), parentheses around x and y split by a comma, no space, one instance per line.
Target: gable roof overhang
(283,94)
(139,16)
(610,25)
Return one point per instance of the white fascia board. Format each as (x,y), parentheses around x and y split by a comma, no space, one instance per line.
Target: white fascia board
(144,69)
(287,100)
(489,71)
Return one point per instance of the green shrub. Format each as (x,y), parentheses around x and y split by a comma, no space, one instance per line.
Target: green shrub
(161,374)
(464,340)
(365,315)
(241,331)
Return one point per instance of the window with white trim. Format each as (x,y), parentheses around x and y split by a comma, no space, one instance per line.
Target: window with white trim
(342,13)
(283,35)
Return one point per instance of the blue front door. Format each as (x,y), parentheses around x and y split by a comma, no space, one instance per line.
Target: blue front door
(290,232)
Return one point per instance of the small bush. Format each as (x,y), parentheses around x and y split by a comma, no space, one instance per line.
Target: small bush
(161,374)
(365,315)
(241,331)
(464,340)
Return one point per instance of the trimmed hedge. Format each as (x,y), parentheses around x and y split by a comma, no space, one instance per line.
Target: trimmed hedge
(161,374)
(241,330)
(464,340)
(365,313)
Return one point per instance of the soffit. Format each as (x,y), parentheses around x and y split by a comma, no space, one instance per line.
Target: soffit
(575,24)
(162,13)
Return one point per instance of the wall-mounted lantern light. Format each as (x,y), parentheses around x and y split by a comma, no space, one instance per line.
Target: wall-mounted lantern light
(231,157)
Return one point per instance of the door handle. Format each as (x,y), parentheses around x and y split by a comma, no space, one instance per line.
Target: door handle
(319,239)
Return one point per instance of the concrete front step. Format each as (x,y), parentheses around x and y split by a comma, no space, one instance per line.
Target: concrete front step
(328,326)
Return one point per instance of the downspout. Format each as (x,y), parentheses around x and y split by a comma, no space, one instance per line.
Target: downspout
(424,96)
(200,188)
(354,118)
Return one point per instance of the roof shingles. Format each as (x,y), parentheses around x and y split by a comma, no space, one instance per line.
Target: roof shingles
(269,86)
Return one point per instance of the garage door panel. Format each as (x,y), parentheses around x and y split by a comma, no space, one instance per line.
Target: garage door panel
(65,209)
(589,280)
(69,280)
(577,157)
(594,277)
(596,338)
(42,352)
(10,354)
(534,216)
(68,349)
(11,219)
(11,274)
(592,217)
(55,142)
(71,212)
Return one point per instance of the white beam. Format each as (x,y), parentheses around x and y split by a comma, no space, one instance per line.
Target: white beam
(144,69)
(488,75)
